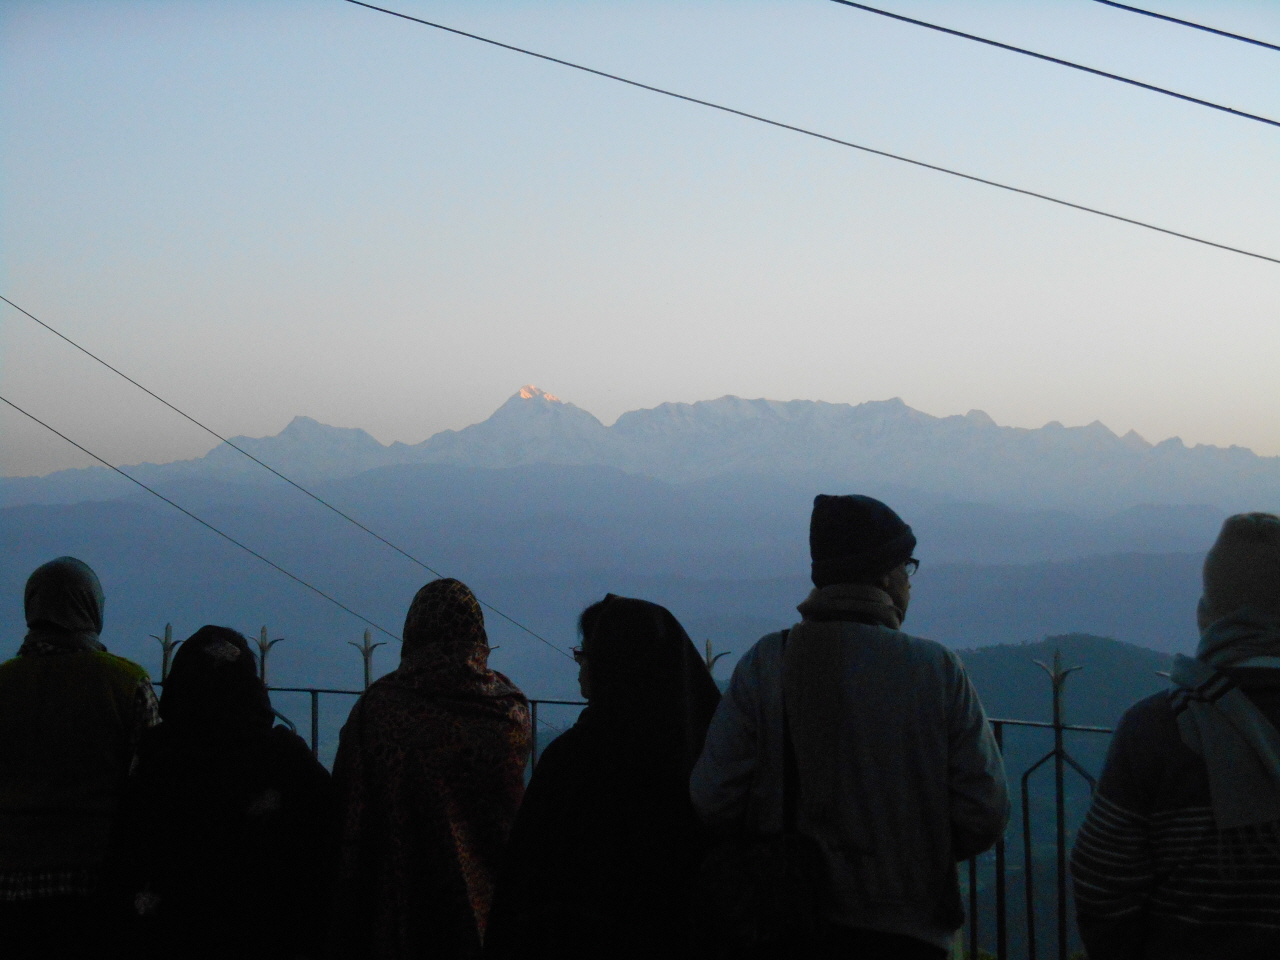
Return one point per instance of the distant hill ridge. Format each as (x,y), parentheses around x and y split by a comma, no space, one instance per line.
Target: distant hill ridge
(879,445)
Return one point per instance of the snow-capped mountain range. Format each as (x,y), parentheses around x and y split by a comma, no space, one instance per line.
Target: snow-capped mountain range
(875,446)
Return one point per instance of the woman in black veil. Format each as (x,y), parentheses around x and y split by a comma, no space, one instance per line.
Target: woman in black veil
(224,836)
(606,846)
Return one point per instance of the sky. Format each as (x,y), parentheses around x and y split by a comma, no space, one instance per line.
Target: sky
(276,208)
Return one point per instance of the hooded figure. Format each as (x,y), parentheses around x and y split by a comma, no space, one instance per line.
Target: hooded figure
(224,841)
(1179,854)
(70,718)
(430,770)
(607,845)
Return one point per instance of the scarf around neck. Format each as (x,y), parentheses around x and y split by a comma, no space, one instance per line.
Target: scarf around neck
(859,602)
(1218,722)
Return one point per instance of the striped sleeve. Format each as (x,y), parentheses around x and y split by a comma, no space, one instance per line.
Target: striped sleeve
(1112,863)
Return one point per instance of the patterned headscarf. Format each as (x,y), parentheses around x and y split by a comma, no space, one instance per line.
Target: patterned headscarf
(445,611)
(444,639)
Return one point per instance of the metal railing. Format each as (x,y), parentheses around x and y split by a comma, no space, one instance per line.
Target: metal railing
(970,934)
(1061,760)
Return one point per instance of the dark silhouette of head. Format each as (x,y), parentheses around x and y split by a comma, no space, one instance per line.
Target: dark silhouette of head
(1242,568)
(856,539)
(214,687)
(64,596)
(642,672)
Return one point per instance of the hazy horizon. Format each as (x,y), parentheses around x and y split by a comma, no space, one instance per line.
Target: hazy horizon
(270,209)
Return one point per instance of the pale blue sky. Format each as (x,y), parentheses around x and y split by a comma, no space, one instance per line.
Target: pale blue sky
(270,208)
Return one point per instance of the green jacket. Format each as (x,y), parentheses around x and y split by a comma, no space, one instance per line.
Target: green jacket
(66,727)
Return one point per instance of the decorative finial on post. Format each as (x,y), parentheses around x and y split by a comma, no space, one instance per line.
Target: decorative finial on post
(366,651)
(264,648)
(713,658)
(1058,677)
(167,646)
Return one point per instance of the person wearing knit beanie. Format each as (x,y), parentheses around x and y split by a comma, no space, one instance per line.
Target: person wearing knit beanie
(856,539)
(881,743)
(1242,567)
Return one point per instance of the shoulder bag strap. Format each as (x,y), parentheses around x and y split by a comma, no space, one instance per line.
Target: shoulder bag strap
(790,767)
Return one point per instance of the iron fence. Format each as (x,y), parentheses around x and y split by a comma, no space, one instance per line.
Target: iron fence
(970,941)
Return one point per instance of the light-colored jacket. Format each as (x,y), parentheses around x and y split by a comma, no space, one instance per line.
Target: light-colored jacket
(900,781)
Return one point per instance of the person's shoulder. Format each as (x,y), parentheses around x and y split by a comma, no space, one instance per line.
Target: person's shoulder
(290,758)
(922,649)
(288,744)
(511,691)
(574,750)
(1146,717)
(925,646)
(122,665)
(765,650)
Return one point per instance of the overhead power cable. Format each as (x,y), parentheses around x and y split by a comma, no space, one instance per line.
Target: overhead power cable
(203,523)
(1189,23)
(266,466)
(822,136)
(1060,62)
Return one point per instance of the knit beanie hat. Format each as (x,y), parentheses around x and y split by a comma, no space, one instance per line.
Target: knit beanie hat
(856,539)
(1243,566)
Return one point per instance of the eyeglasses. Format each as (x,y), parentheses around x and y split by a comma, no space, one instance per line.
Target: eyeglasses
(579,655)
(911,566)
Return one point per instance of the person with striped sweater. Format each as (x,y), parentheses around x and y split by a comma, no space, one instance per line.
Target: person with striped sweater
(1179,855)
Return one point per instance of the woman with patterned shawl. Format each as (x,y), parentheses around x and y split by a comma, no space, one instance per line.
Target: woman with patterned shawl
(606,848)
(430,772)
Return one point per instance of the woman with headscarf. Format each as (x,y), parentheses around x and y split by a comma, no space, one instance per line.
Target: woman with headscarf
(225,834)
(606,848)
(71,715)
(430,770)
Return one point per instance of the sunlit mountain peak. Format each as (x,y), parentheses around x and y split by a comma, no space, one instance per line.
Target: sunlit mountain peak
(530,392)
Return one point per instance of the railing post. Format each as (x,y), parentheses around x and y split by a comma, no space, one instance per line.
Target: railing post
(1058,679)
(366,652)
(713,658)
(1060,810)
(1028,879)
(264,648)
(315,723)
(1002,916)
(167,646)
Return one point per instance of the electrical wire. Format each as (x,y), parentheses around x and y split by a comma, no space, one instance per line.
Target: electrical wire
(1189,23)
(265,466)
(822,136)
(203,523)
(1060,62)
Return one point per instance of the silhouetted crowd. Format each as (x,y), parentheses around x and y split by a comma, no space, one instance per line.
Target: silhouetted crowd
(818,809)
